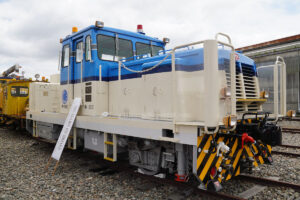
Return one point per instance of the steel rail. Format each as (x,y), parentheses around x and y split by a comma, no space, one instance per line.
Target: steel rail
(291,130)
(286,153)
(289,146)
(267,181)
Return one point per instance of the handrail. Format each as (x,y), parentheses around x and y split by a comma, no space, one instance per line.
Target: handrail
(233,78)
(174,80)
(225,35)
(279,62)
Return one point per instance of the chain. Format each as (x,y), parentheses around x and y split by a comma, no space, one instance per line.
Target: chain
(146,70)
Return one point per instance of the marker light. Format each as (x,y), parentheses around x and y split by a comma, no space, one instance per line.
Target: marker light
(264,94)
(225,92)
(43,78)
(74,29)
(230,121)
(166,40)
(61,40)
(99,24)
(291,113)
(213,172)
(140,28)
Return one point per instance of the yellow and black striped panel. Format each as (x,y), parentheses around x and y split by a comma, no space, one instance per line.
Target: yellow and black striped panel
(207,155)
(207,158)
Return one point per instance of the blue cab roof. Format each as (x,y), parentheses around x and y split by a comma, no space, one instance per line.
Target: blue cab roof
(114,30)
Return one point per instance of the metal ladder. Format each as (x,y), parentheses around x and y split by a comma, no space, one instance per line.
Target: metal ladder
(72,139)
(112,141)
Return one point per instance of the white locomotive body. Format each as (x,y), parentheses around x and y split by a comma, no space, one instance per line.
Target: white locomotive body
(186,111)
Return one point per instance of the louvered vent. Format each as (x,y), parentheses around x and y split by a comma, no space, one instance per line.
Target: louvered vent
(246,86)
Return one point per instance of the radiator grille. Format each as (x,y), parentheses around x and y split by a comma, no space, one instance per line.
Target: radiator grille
(246,86)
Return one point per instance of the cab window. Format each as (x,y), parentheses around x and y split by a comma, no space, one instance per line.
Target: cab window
(19,91)
(112,49)
(88,52)
(156,50)
(142,50)
(106,47)
(23,91)
(13,91)
(65,56)
(79,52)
(125,49)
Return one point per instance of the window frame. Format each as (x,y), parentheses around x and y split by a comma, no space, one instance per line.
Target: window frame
(85,49)
(16,88)
(81,42)
(118,48)
(98,52)
(162,49)
(18,91)
(63,56)
(136,51)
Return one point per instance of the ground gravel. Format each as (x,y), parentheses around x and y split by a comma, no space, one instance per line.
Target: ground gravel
(22,175)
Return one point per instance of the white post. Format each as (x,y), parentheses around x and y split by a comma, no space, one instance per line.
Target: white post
(212,92)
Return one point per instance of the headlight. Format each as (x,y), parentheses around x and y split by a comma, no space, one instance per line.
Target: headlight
(291,113)
(264,94)
(230,121)
(225,92)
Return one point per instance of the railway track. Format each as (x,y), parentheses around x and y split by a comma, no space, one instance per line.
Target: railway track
(108,168)
(268,182)
(291,130)
(286,153)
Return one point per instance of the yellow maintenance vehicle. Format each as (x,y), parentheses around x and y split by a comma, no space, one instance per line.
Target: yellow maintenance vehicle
(13,97)
(15,101)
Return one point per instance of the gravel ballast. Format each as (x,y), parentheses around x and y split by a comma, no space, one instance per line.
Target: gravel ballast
(22,175)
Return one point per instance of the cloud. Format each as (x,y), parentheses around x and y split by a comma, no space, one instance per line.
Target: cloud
(30,30)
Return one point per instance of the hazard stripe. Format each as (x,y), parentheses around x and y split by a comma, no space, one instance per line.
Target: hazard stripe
(202,154)
(208,164)
(202,140)
(258,152)
(237,165)
(206,156)
(216,162)
(250,154)
(233,154)
(269,148)
(237,159)
(231,140)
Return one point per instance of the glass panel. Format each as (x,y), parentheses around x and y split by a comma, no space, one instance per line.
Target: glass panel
(125,49)
(13,91)
(156,50)
(23,91)
(143,50)
(88,53)
(79,52)
(65,56)
(106,47)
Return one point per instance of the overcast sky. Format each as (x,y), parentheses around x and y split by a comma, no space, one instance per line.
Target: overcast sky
(30,29)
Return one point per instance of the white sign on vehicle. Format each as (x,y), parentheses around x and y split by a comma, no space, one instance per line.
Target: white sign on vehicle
(61,142)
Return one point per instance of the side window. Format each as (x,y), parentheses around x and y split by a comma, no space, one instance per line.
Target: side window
(156,50)
(79,52)
(65,56)
(88,52)
(106,47)
(125,49)
(13,91)
(23,91)
(142,50)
